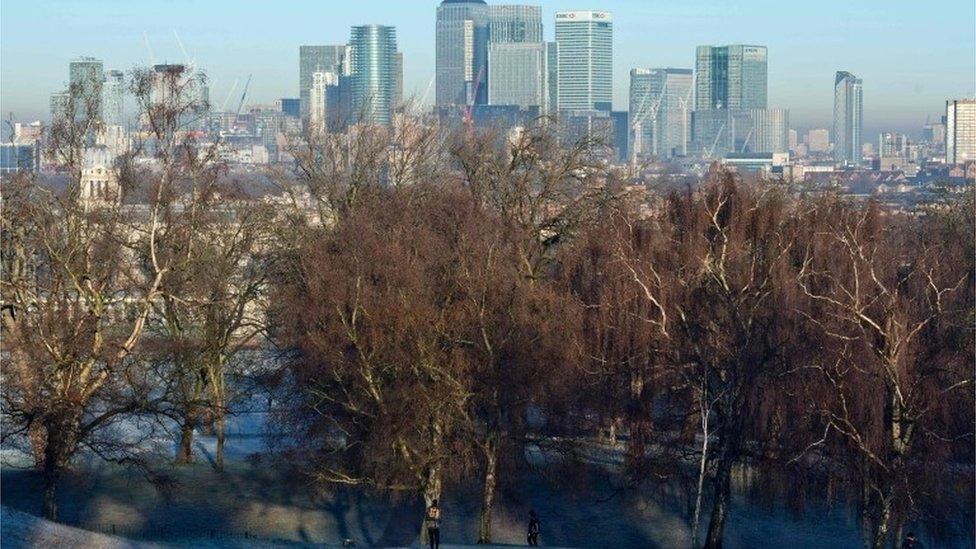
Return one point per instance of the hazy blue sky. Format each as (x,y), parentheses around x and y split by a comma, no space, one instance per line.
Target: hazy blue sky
(911,54)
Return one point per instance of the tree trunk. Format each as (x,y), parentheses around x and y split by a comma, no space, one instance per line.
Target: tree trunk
(63,431)
(899,533)
(184,453)
(49,507)
(38,441)
(221,432)
(884,521)
(720,508)
(702,467)
(488,499)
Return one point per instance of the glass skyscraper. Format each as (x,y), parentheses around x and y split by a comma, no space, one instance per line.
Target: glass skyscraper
(585,43)
(86,76)
(514,23)
(312,59)
(373,65)
(660,112)
(848,118)
(730,77)
(461,53)
(113,94)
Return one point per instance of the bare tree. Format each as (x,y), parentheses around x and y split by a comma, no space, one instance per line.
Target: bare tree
(886,295)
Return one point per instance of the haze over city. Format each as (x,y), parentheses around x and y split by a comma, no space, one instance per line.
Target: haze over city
(912,56)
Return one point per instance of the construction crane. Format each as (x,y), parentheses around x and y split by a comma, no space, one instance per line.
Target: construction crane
(244,95)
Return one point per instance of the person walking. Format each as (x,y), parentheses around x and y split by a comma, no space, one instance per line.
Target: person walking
(433,520)
(533,529)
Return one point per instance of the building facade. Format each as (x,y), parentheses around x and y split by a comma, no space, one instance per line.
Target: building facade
(731,77)
(374,73)
(848,118)
(720,132)
(86,77)
(519,74)
(321,109)
(113,99)
(585,51)
(461,53)
(312,59)
(960,130)
(660,112)
(514,24)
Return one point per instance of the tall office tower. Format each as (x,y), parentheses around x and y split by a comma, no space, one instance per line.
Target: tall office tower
(86,76)
(113,95)
(660,112)
(848,118)
(818,140)
(793,139)
(585,42)
(320,111)
(730,77)
(519,75)
(373,63)
(507,24)
(312,59)
(462,53)
(960,130)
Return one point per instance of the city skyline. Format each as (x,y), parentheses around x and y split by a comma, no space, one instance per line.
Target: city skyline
(799,77)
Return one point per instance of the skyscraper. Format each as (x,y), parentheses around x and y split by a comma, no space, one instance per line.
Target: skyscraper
(718,132)
(374,73)
(848,118)
(113,94)
(519,75)
(660,111)
(312,59)
(585,42)
(730,77)
(514,23)
(321,110)
(960,130)
(85,77)
(461,53)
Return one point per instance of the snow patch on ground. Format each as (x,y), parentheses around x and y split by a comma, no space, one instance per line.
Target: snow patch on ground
(20,530)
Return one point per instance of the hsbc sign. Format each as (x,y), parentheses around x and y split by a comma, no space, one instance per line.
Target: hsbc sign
(603,16)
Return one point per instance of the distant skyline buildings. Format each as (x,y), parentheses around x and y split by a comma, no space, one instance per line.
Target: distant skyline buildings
(585,51)
(804,56)
(312,59)
(461,53)
(731,77)
(660,111)
(848,129)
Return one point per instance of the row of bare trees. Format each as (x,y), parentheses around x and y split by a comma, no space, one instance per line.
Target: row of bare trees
(731,327)
(442,303)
